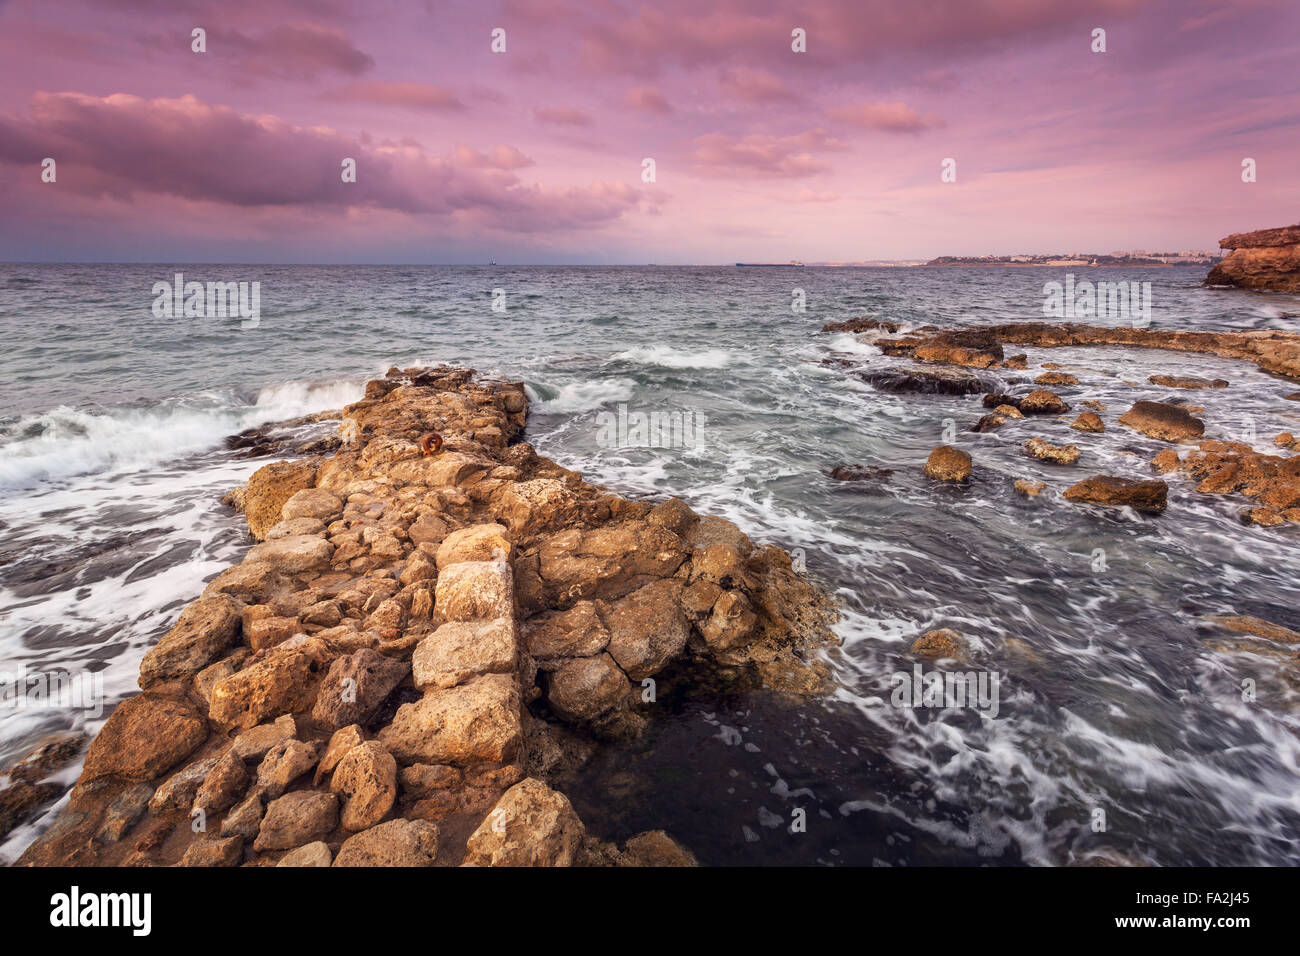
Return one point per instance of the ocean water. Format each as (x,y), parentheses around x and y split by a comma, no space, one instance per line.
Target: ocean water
(1121,731)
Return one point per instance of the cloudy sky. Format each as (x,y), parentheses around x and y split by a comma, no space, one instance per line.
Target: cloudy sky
(536,154)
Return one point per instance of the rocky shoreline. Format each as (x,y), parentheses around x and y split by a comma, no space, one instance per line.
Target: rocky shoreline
(435,623)
(1263,259)
(948,361)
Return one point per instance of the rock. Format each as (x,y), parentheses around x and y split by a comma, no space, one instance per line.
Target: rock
(1042,402)
(988,423)
(423,779)
(124,812)
(1030,489)
(251,582)
(285,681)
(245,819)
(270,488)
(1008,411)
(1252,625)
(255,743)
(475,590)
(295,526)
(178,790)
(531,825)
(1264,259)
(221,851)
(584,688)
(531,506)
(312,503)
(1056,378)
(577,632)
(1148,497)
(200,635)
(731,623)
(940,644)
(1088,422)
(267,632)
(1166,461)
(1179,381)
(342,741)
(313,854)
(948,464)
(355,687)
(647,629)
(283,764)
(1163,421)
(1042,450)
(475,721)
(988,356)
(606,562)
(938,381)
(297,818)
(655,848)
(427,529)
(460,650)
(366,781)
(395,843)
(861,473)
(22,800)
(719,551)
(223,785)
(1264,517)
(296,554)
(144,738)
(49,755)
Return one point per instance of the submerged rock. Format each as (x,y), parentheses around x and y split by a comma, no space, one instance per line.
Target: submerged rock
(1163,421)
(1148,497)
(948,464)
(1044,451)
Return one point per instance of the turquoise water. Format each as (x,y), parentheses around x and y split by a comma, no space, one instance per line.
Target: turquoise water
(111,466)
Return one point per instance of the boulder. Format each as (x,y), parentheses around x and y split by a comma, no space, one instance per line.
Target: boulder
(1148,497)
(577,632)
(144,738)
(531,825)
(647,629)
(460,650)
(1163,421)
(1186,381)
(366,781)
(939,644)
(478,721)
(200,635)
(1088,422)
(584,688)
(948,464)
(270,488)
(475,591)
(395,843)
(283,764)
(312,854)
(285,681)
(317,503)
(295,554)
(1042,402)
(355,687)
(1044,451)
(223,784)
(297,818)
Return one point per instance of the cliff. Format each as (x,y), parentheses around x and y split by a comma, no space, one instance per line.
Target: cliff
(427,631)
(1265,259)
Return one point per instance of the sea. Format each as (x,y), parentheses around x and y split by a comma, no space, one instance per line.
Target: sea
(1128,728)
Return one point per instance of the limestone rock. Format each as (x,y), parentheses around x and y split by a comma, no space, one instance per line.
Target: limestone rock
(475,721)
(531,825)
(366,781)
(1163,421)
(647,629)
(270,488)
(297,818)
(355,687)
(948,464)
(1148,497)
(200,635)
(395,843)
(144,738)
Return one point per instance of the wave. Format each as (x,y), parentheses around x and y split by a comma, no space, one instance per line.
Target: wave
(667,357)
(65,442)
(583,396)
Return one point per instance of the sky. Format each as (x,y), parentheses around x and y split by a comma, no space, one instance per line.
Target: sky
(538,153)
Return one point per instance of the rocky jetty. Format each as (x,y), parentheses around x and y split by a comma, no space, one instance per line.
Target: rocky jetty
(426,632)
(1271,350)
(1264,259)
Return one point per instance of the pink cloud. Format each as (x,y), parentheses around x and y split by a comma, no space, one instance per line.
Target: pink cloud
(760,156)
(887,117)
(420,96)
(647,98)
(562,116)
(292,51)
(121,145)
(754,85)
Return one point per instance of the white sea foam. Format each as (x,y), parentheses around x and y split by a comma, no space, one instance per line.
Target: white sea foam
(580,396)
(665,356)
(64,442)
